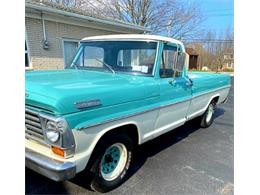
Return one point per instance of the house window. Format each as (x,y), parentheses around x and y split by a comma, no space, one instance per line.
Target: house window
(27,62)
(229,65)
(69,50)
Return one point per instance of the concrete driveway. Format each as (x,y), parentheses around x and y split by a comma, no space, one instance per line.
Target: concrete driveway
(188,160)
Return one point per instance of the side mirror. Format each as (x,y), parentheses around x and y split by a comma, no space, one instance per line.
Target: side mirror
(187,59)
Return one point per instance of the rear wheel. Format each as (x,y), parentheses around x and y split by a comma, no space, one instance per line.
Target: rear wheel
(112,162)
(208,117)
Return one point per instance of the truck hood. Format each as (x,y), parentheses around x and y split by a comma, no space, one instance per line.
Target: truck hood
(58,91)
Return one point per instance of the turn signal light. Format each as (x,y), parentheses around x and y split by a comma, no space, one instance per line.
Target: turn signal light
(58,151)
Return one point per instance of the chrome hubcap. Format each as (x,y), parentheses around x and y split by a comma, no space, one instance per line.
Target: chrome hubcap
(113,161)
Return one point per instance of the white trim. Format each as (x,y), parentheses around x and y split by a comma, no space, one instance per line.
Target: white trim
(165,127)
(135,37)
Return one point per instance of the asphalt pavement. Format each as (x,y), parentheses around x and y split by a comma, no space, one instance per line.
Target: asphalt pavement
(187,160)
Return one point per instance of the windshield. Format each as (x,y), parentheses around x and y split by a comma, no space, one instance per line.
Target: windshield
(132,57)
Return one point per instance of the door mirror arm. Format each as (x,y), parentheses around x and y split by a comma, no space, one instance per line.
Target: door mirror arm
(190,81)
(170,82)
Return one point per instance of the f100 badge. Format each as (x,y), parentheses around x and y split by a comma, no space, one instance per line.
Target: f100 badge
(87,104)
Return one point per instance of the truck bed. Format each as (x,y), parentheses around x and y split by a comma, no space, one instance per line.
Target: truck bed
(205,82)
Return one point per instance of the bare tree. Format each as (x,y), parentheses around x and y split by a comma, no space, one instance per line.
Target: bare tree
(69,4)
(170,17)
(213,48)
(175,18)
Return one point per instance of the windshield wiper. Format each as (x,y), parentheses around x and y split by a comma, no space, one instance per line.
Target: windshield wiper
(108,66)
(74,65)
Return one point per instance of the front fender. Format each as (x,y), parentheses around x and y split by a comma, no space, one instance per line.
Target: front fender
(87,139)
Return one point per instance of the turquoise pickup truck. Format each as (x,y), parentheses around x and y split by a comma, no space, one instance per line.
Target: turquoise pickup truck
(119,92)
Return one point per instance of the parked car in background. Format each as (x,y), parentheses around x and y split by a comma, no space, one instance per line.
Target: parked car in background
(119,92)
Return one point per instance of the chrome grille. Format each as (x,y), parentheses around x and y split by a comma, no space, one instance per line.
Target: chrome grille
(33,127)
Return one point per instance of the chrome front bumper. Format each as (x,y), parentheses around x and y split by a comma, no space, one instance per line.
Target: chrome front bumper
(53,169)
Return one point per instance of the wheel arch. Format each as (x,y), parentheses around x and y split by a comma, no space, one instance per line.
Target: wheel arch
(130,128)
(215,98)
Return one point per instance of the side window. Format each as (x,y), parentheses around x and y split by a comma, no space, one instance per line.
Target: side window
(168,61)
(172,62)
(180,64)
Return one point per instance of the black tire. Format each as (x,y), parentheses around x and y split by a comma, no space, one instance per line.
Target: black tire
(99,183)
(204,120)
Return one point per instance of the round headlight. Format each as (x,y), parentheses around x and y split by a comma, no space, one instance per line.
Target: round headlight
(52,132)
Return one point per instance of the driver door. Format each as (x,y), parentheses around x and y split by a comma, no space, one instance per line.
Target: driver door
(175,90)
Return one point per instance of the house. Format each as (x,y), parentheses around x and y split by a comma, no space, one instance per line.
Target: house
(193,58)
(228,61)
(52,33)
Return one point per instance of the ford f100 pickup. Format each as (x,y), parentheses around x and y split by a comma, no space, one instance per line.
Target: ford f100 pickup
(119,92)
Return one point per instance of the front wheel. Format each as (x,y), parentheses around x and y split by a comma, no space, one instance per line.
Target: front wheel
(208,117)
(112,164)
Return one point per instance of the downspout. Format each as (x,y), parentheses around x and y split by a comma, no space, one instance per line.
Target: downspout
(45,41)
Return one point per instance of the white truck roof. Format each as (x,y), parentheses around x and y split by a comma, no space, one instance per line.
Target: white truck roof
(135,36)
